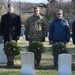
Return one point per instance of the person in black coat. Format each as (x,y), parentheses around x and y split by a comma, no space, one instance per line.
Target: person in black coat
(73,32)
(10,27)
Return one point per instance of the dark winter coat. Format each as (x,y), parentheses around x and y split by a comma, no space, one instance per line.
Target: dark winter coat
(59,31)
(10,27)
(73,32)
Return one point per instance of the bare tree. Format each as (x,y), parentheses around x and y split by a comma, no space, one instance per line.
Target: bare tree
(73,2)
(52,1)
(51,8)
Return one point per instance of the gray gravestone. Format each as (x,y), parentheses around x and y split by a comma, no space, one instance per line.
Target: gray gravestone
(22,32)
(27,61)
(3,58)
(64,64)
(1,40)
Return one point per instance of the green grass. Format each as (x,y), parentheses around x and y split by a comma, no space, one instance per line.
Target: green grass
(46,65)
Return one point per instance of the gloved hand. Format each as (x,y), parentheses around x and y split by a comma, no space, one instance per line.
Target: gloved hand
(74,42)
(27,38)
(18,37)
(43,39)
(50,42)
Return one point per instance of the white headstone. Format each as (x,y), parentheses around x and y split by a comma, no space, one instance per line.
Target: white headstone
(64,64)
(1,40)
(27,63)
(3,58)
(22,32)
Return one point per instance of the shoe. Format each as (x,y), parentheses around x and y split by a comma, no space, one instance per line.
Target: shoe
(10,64)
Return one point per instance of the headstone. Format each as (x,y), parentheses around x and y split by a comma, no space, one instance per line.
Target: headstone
(1,40)
(64,64)
(22,32)
(27,63)
(3,58)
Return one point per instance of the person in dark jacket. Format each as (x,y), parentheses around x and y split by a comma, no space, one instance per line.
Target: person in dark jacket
(10,27)
(73,32)
(59,31)
(35,27)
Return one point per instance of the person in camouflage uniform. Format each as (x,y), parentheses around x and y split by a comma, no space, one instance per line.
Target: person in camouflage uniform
(35,27)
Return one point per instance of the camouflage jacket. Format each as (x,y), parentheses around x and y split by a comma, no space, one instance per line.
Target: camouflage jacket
(35,27)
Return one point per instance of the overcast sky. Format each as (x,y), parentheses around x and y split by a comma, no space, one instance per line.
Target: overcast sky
(36,1)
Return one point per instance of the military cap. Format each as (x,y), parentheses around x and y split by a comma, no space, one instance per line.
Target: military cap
(36,8)
(9,5)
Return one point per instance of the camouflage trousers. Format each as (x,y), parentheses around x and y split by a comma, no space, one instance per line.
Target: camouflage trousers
(10,61)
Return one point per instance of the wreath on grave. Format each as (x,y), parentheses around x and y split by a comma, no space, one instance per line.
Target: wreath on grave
(37,48)
(11,48)
(59,48)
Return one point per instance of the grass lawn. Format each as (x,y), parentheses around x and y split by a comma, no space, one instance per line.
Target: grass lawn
(46,65)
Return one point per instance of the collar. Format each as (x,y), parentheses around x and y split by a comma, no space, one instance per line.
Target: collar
(39,16)
(59,19)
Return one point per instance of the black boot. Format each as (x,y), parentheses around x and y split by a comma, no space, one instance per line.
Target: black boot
(38,61)
(10,64)
(10,60)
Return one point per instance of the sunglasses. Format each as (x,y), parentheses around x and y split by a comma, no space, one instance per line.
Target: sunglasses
(58,13)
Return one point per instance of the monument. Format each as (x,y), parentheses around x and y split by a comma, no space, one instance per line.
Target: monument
(27,63)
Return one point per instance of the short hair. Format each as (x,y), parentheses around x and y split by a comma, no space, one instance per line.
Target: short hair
(59,11)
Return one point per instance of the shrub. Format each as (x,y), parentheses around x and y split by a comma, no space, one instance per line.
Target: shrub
(11,48)
(37,48)
(59,48)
